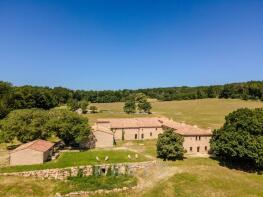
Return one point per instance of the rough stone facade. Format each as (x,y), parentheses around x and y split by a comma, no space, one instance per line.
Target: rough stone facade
(64,173)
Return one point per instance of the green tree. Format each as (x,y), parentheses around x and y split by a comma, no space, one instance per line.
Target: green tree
(170,145)
(73,104)
(62,95)
(130,106)
(25,125)
(84,106)
(69,126)
(144,106)
(240,140)
(93,109)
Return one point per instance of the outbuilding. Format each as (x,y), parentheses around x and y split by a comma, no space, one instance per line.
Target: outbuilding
(35,152)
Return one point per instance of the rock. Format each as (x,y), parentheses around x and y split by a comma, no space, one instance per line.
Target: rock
(58,195)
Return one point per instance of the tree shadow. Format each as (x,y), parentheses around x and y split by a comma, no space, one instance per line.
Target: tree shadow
(244,166)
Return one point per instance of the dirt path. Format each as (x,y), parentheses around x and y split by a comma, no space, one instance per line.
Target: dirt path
(150,177)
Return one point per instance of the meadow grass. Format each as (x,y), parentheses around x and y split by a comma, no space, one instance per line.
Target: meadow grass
(205,113)
(202,177)
(68,159)
(20,186)
(92,183)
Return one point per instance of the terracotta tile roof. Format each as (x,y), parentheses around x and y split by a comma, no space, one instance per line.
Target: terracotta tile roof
(37,145)
(119,123)
(181,128)
(185,129)
(101,129)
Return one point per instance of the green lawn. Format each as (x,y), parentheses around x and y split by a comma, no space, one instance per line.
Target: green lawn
(146,147)
(202,112)
(81,158)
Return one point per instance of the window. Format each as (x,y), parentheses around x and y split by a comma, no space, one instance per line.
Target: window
(142,136)
(135,136)
(151,134)
(155,129)
(198,149)
(191,149)
(197,138)
(123,134)
(205,148)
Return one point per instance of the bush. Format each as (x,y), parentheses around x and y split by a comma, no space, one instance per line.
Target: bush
(170,145)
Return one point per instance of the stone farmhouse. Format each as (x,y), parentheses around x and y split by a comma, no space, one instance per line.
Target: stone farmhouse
(35,152)
(196,140)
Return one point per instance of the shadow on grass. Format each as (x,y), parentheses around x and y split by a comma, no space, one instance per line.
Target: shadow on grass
(244,166)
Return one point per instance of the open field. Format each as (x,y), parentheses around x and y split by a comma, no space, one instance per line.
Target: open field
(81,158)
(202,112)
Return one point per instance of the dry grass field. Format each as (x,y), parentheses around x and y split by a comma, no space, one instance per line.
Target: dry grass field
(206,113)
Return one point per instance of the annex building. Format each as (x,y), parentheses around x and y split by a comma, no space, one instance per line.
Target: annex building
(196,140)
(35,152)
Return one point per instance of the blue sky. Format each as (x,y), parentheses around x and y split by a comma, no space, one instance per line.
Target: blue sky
(116,44)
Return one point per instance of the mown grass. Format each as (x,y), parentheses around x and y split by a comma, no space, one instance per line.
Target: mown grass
(146,147)
(68,159)
(202,112)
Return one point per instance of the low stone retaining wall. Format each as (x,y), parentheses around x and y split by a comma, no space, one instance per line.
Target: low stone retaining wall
(100,191)
(64,173)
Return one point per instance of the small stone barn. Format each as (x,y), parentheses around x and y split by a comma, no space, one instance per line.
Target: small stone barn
(35,152)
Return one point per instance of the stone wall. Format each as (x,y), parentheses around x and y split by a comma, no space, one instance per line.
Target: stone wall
(64,173)
(100,191)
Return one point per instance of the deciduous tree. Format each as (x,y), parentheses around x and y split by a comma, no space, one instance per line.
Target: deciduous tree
(240,140)
(170,145)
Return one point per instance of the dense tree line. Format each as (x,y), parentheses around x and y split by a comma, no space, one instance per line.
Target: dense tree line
(24,97)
